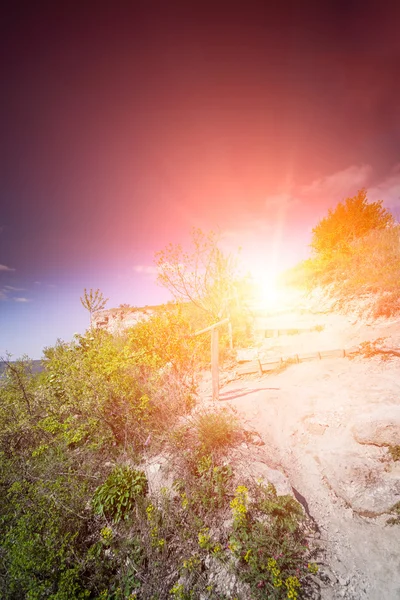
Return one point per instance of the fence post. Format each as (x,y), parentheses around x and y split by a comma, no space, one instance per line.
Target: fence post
(214,364)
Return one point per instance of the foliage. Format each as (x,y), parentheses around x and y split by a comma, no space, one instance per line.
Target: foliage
(206,276)
(349,221)
(207,283)
(93,300)
(204,439)
(356,254)
(165,339)
(115,498)
(216,430)
(76,516)
(269,540)
(97,383)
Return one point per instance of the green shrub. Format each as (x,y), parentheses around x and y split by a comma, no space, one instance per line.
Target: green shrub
(216,430)
(269,540)
(116,497)
(42,543)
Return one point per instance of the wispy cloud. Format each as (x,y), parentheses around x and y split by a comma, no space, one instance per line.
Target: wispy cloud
(5,268)
(388,190)
(271,237)
(339,185)
(21,299)
(14,289)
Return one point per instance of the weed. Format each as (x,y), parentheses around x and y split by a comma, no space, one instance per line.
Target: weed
(269,541)
(115,498)
(216,430)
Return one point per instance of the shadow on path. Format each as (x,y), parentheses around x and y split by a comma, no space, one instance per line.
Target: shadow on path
(238,393)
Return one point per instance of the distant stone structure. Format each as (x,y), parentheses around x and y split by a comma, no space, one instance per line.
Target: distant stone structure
(115,320)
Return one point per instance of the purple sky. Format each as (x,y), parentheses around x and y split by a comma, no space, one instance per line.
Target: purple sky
(123,129)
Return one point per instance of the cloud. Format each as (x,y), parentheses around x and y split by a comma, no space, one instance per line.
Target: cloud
(388,190)
(21,299)
(272,237)
(13,289)
(339,185)
(145,269)
(5,268)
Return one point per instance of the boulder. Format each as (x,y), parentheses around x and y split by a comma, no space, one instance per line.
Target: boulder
(362,481)
(379,428)
(260,470)
(159,475)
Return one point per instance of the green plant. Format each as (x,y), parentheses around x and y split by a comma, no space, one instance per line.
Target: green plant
(93,300)
(269,540)
(116,497)
(216,430)
(239,506)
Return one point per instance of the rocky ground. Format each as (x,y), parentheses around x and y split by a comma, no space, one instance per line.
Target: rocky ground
(326,425)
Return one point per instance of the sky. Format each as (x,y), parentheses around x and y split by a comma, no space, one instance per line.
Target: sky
(123,128)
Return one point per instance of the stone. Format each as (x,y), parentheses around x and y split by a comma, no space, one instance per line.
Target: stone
(314,426)
(362,482)
(379,428)
(281,483)
(159,475)
(115,320)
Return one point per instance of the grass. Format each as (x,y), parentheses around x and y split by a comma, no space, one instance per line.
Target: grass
(217,430)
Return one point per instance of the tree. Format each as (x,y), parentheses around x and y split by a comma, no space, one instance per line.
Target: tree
(349,221)
(205,276)
(93,300)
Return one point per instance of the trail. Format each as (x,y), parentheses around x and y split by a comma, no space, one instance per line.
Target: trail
(305,416)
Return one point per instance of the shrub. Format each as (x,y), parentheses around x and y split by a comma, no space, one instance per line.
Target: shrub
(269,540)
(216,430)
(116,497)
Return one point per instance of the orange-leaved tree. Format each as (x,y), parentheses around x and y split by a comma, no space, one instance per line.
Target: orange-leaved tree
(349,221)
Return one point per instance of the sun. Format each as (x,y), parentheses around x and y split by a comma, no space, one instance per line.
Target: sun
(268,292)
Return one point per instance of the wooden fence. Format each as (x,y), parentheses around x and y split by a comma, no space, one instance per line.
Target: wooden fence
(272,364)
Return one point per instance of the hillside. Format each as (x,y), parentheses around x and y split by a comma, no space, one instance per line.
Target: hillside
(330,426)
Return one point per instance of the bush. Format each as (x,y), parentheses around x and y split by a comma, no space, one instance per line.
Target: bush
(116,497)
(269,540)
(216,430)
(73,530)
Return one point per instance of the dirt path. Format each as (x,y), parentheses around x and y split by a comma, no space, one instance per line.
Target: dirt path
(305,417)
